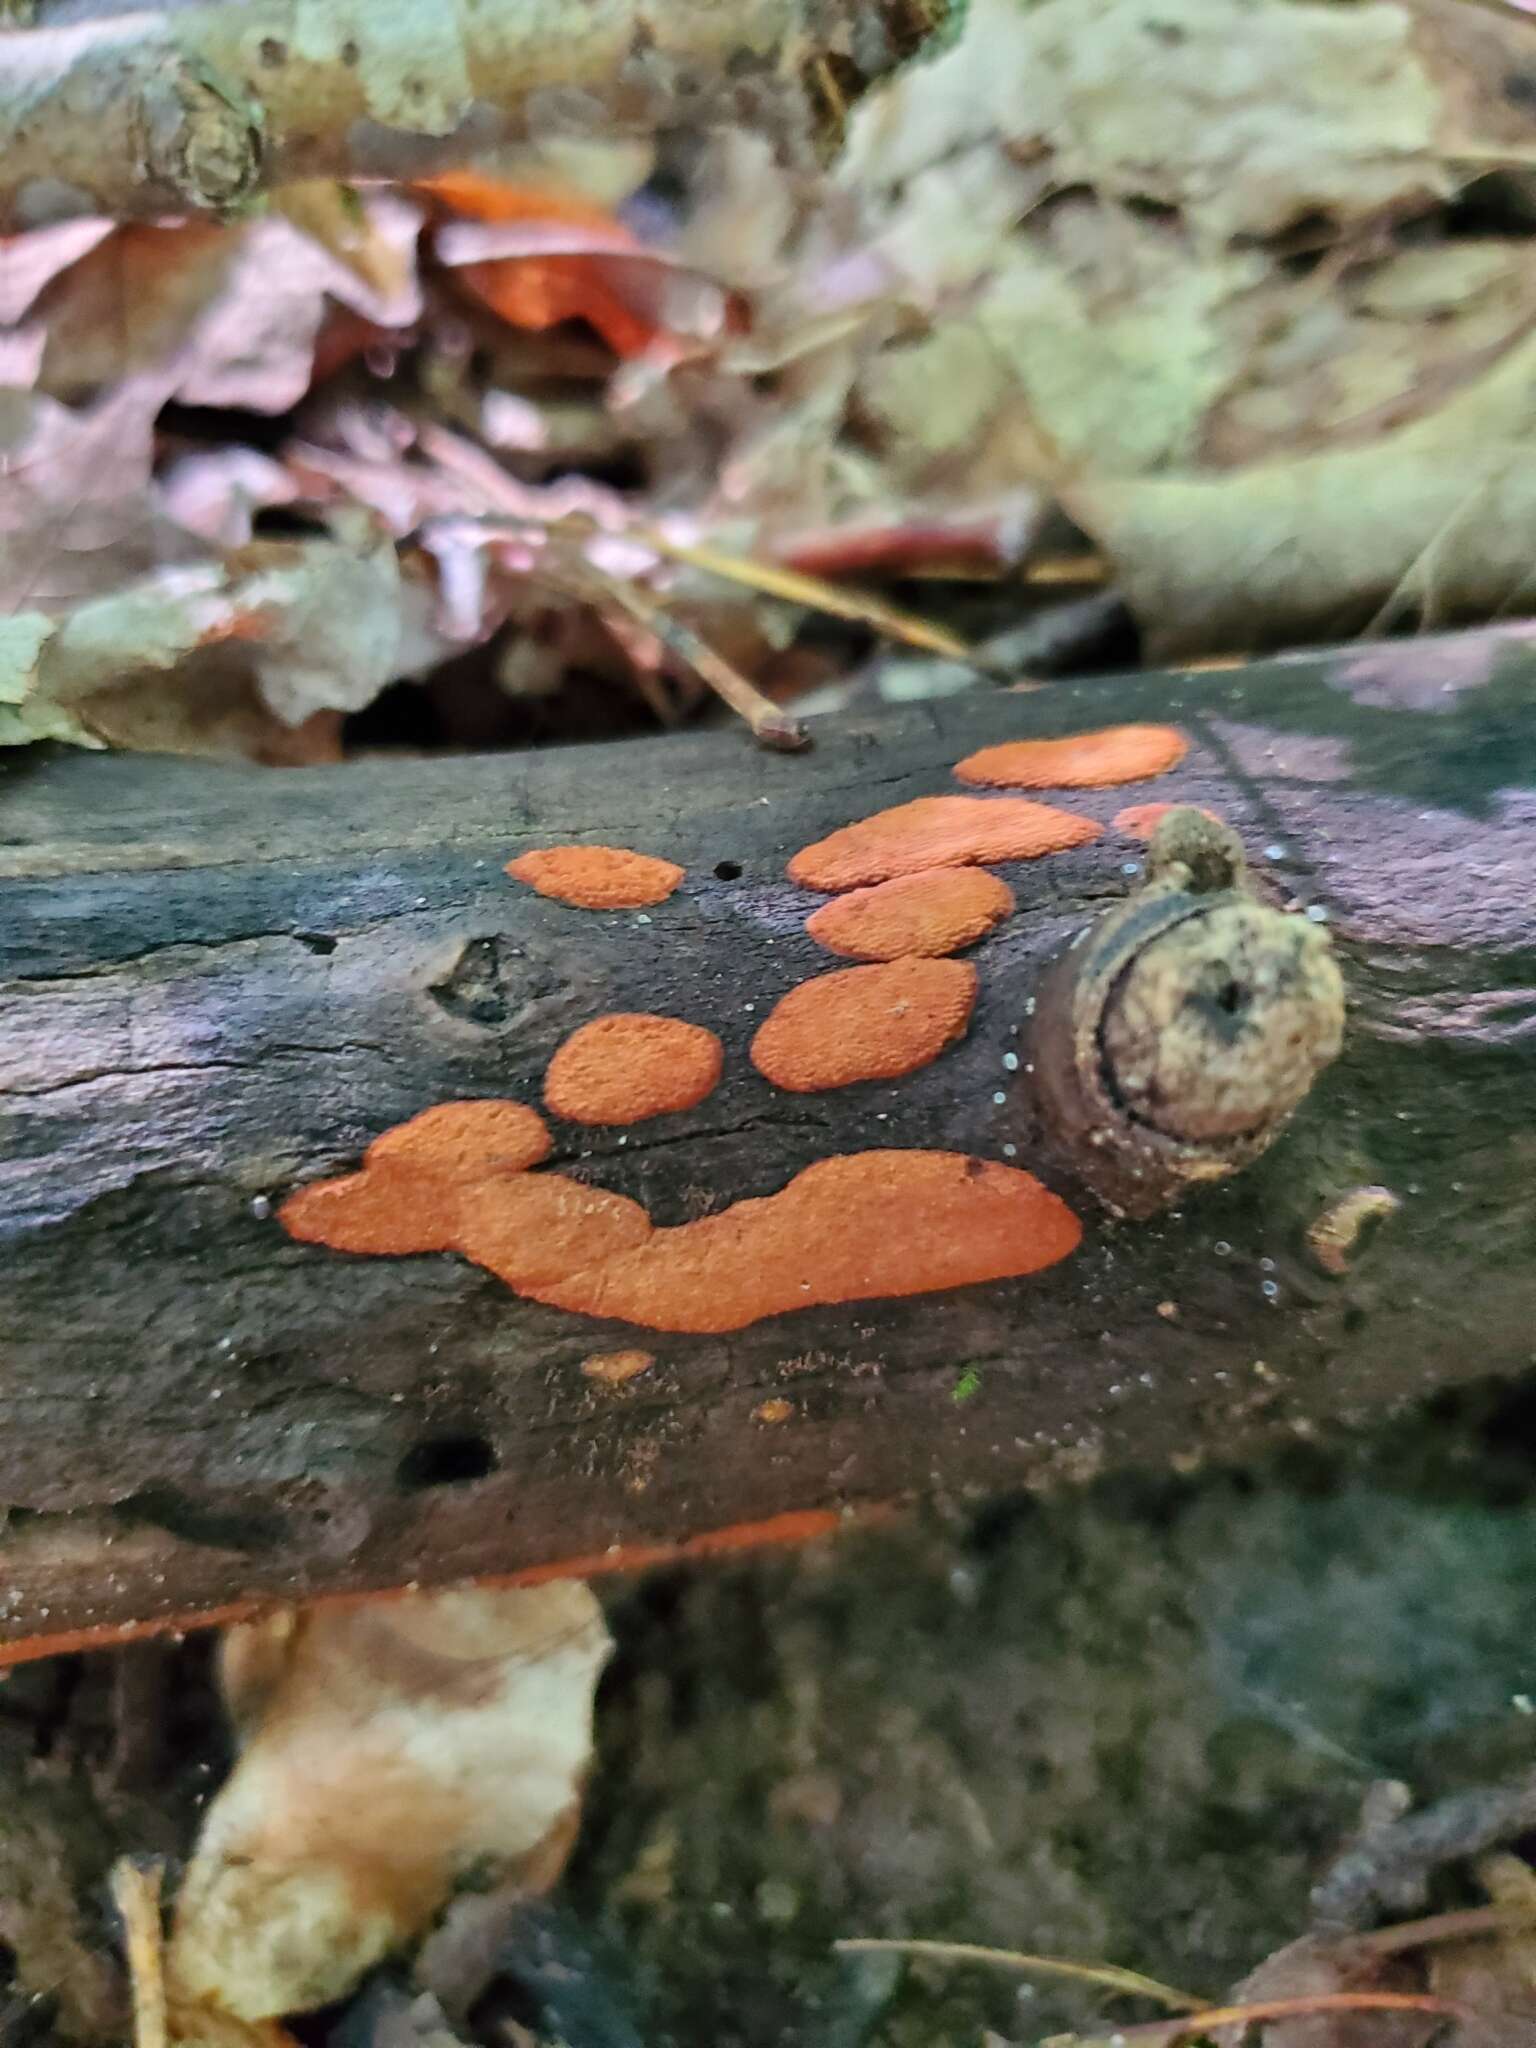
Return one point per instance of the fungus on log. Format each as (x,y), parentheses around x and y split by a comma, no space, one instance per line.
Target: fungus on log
(311,1286)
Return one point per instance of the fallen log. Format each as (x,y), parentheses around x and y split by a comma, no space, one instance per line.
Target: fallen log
(219,986)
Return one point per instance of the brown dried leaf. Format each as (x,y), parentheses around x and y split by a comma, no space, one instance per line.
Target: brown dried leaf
(240,656)
(126,306)
(225,315)
(1310,1968)
(1435,517)
(389,1751)
(77,512)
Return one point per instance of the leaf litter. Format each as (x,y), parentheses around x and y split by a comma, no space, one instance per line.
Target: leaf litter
(1240,288)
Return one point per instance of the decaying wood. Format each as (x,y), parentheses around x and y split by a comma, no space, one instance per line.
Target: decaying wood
(195,109)
(217,985)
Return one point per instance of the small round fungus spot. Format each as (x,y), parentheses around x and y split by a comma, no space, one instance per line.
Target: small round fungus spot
(865,1024)
(1140,821)
(626,1066)
(937,832)
(464,1140)
(1084,760)
(777,1409)
(613,1368)
(597,877)
(926,915)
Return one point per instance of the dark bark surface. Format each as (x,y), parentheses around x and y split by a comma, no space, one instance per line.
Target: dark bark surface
(218,984)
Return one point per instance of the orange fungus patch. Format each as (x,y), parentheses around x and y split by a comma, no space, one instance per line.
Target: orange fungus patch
(464,1139)
(1083,760)
(623,1067)
(858,1227)
(375,1212)
(1140,821)
(934,912)
(937,832)
(864,1024)
(538,1229)
(597,877)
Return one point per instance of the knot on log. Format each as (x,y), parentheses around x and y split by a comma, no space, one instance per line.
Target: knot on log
(201,140)
(1177,1035)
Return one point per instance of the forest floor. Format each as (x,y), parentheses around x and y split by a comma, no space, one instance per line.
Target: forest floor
(1131,1725)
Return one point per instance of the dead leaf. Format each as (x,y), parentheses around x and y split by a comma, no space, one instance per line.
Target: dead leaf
(77,511)
(221,657)
(536,274)
(29,261)
(1246,118)
(334,215)
(127,305)
(1432,520)
(1311,1968)
(389,1751)
(256,345)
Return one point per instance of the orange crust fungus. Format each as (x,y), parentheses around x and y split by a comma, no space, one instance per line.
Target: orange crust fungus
(375,1212)
(1083,760)
(936,911)
(533,1231)
(406,1198)
(864,1024)
(464,1139)
(597,877)
(937,832)
(862,1226)
(1140,821)
(626,1066)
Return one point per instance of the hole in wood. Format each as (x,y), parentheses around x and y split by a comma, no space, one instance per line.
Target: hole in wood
(727,870)
(446,1461)
(316,942)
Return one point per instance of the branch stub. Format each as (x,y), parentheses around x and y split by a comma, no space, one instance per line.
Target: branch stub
(1180,1032)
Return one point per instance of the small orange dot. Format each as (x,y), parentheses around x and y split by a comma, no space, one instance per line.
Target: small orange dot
(615,1367)
(776,1410)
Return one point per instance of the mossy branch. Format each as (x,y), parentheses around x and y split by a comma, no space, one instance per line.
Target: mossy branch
(195,110)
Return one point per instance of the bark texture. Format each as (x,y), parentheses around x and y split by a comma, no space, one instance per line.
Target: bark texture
(217,985)
(193,110)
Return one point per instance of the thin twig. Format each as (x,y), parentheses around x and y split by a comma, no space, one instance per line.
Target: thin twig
(1470,1923)
(1166,2032)
(1131,1982)
(769,726)
(795,587)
